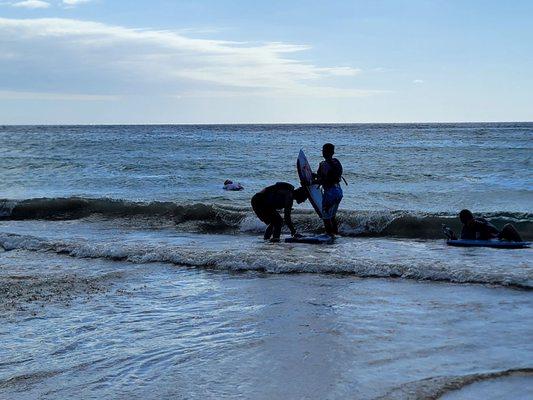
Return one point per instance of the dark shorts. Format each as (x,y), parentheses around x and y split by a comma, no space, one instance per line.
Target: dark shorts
(266,214)
(331,198)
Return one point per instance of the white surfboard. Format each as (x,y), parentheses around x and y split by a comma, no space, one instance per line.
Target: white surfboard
(306,178)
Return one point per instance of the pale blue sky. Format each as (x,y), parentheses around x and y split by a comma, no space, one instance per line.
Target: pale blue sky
(220,61)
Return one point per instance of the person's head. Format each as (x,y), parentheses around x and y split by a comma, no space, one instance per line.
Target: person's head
(300,195)
(465,216)
(228,182)
(328,150)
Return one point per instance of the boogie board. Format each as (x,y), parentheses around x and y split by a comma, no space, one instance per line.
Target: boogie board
(306,178)
(497,244)
(318,239)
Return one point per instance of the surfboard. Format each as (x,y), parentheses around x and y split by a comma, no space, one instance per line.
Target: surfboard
(306,178)
(496,244)
(318,239)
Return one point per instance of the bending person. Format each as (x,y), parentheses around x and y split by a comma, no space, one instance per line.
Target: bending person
(268,201)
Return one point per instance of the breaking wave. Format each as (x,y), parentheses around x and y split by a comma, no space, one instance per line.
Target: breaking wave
(212,218)
(270,261)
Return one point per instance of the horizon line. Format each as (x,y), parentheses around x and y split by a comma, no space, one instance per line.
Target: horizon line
(266,123)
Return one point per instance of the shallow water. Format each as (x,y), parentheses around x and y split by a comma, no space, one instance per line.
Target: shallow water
(363,257)
(147,280)
(161,331)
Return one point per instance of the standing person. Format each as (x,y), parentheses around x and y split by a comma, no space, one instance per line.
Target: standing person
(329,175)
(268,201)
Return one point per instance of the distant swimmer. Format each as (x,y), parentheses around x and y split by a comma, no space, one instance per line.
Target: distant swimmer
(229,185)
(268,201)
(329,175)
(481,229)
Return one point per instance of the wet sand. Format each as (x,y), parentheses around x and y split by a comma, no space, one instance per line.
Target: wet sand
(90,328)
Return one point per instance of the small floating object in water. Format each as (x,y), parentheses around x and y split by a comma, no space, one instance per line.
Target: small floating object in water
(229,185)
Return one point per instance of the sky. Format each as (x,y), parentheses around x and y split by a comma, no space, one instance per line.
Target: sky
(292,61)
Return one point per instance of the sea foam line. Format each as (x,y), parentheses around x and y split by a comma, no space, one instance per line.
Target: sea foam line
(269,262)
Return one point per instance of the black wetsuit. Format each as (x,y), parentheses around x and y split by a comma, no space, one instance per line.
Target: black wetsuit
(266,204)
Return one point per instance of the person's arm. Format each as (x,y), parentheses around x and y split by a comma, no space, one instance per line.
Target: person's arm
(483,229)
(341,170)
(287,210)
(469,231)
(464,233)
(317,178)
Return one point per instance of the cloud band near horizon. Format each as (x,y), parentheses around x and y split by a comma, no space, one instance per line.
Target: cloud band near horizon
(65,56)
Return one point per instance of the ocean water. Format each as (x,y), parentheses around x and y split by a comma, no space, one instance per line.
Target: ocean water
(422,167)
(127,272)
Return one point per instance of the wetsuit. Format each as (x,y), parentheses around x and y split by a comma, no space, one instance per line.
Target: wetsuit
(266,204)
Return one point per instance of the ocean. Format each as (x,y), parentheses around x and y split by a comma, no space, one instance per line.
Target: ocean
(126,271)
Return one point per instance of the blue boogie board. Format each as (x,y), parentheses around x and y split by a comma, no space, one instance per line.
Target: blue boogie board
(496,244)
(318,239)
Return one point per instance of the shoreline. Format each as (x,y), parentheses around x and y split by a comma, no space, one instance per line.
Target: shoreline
(253,334)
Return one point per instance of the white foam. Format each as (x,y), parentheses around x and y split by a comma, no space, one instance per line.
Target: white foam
(363,258)
(251,223)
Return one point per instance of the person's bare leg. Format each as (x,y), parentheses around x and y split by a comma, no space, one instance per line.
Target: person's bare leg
(268,232)
(510,233)
(276,226)
(328,226)
(335,226)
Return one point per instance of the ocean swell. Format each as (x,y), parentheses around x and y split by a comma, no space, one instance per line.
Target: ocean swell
(213,218)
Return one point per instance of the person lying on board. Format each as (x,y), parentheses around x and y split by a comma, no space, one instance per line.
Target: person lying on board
(481,229)
(268,201)
(329,175)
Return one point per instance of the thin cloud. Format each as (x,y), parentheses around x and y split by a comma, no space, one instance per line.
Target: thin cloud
(15,95)
(322,92)
(108,59)
(32,4)
(75,2)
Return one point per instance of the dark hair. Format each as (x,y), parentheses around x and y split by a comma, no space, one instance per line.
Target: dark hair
(328,148)
(300,195)
(465,216)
